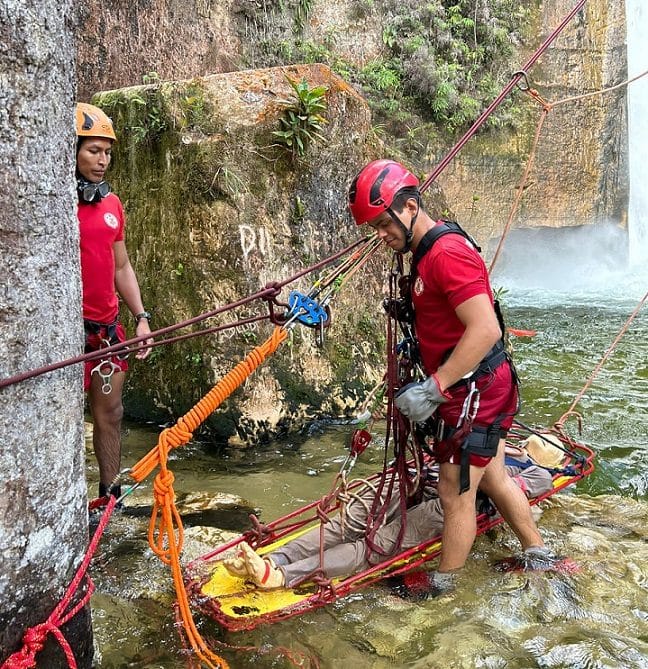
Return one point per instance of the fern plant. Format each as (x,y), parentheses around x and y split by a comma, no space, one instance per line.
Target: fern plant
(302,122)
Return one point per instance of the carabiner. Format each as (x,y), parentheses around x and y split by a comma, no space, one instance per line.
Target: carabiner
(523,77)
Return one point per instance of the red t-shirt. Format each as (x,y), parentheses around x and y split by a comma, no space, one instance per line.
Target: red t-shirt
(450,273)
(100,226)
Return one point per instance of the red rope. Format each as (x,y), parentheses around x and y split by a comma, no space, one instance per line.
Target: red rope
(268,292)
(35,637)
(498,100)
(597,369)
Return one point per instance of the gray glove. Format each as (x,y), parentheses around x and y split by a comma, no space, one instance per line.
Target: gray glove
(419,401)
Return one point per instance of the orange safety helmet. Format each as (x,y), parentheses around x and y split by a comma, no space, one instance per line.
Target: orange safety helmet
(93,122)
(375,187)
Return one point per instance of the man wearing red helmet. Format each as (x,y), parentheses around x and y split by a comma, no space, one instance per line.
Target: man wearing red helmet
(106,272)
(470,386)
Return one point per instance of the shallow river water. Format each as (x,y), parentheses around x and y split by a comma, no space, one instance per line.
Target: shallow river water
(594,618)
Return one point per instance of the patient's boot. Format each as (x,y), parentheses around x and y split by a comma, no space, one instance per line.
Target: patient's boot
(261,571)
(236,565)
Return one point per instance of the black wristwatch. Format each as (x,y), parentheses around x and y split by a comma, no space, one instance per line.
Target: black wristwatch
(143,314)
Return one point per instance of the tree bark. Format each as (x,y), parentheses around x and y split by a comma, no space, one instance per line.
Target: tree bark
(43,505)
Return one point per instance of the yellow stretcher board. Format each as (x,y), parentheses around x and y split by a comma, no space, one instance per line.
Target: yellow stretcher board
(238,605)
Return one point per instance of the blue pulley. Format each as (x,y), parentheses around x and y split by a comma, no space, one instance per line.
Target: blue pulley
(306,310)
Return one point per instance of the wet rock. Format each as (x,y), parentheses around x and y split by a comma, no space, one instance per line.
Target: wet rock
(200,541)
(234,210)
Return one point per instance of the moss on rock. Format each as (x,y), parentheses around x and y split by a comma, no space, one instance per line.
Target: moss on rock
(211,218)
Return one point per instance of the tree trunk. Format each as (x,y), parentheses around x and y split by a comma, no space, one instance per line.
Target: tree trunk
(43,516)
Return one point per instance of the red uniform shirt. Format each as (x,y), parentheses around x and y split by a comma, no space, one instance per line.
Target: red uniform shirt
(100,226)
(450,273)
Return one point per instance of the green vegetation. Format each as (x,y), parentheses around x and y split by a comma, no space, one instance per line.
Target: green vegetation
(443,61)
(301,14)
(144,115)
(227,182)
(302,122)
(154,119)
(450,53)
(194,110)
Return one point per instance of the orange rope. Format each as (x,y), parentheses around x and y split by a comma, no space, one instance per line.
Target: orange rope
(546,108)
(165,517)
(180,433)
(603,90)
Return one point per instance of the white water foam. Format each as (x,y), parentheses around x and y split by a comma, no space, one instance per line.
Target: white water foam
(571,265)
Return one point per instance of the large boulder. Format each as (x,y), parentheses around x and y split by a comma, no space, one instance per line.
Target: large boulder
(217,208)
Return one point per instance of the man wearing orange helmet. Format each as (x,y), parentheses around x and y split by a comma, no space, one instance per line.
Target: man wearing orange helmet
(469,396)
(106,272)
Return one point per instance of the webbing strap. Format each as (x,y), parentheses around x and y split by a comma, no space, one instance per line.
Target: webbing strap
(427,242)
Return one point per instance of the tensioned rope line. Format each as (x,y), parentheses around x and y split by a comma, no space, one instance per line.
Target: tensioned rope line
(165,518)
(559,425)
(520,186)
(601,92)
(499,99)
(271,290)
(335,274)
(35,637)
(546,108)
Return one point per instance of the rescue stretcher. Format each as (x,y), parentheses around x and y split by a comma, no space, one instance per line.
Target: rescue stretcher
(239,605)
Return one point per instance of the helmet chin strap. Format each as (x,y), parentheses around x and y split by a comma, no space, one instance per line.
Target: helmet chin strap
(408,233)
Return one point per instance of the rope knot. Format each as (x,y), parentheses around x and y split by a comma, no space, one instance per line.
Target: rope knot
(35,636)
(273,286)
(177,435)
(272,301)
(163,483)
(259,532)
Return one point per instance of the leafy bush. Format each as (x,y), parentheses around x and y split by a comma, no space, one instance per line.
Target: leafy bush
(444,60)
(451,52)
(303,121)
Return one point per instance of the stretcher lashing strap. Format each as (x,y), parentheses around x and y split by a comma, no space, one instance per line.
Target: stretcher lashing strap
(165,518)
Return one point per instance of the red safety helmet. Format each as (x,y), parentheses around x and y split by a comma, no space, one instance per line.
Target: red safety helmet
(375,187)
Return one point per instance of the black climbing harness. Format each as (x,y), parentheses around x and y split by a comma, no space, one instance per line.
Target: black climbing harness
(466,437)
(431,236)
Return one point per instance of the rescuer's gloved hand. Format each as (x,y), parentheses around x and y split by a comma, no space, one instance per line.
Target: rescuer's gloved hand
(420,400)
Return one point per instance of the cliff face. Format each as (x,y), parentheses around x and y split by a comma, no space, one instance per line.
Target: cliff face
(119,43)
(579,175)
(217,210)
(580,171)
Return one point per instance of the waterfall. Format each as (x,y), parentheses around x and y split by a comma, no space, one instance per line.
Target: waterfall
(637,37)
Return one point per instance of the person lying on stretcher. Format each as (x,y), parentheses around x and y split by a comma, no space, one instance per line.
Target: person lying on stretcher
(345,547)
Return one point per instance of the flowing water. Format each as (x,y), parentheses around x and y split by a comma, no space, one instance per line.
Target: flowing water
(595,618)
